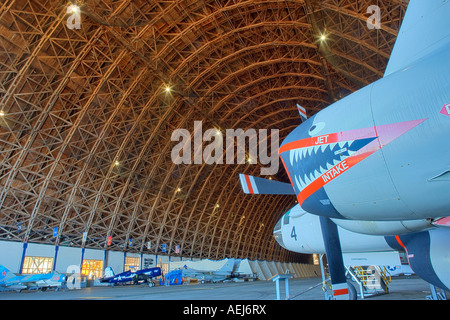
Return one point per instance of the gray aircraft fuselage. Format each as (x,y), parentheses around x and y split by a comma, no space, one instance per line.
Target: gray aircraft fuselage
(381,153)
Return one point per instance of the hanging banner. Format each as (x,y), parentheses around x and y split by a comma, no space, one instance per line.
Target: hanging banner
(164,247)
(109,240)
(84,237)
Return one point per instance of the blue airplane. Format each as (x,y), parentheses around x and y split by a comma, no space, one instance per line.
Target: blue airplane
(145,275)
(371,172)
(19,282)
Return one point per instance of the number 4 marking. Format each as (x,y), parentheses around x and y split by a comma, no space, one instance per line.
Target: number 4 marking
(293,234)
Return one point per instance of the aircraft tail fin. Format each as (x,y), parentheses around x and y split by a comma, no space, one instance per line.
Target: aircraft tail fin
(109,272)
(302,112)
(5,274)
(425,27)
(228,266)
(255,185)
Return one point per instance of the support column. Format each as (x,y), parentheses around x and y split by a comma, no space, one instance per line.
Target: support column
(56,257)
(105,259)
(124,259)
(82,258)
(25,245)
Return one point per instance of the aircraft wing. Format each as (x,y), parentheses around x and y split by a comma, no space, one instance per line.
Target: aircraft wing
(191,273)
(40,280)
(23,281)
(425,27)
(255,185)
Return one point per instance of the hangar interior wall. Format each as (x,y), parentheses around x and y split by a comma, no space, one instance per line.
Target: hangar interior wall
(263,269)
(11,256)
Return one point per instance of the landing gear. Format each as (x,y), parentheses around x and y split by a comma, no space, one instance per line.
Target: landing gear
(341,290)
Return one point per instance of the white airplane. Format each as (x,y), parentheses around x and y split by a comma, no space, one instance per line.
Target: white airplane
(227,271)
(371,172)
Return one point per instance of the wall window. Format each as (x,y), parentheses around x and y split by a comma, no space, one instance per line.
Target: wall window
(164,267)
(93,269)
(36,265)
(132,262)
(316,259)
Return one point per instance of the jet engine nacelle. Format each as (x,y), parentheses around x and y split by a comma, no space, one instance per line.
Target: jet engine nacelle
(384,228)
(428,254)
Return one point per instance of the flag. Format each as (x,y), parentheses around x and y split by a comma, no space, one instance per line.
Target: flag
(84,237)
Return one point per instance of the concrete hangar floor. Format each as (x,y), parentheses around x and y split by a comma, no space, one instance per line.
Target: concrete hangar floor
(401,288)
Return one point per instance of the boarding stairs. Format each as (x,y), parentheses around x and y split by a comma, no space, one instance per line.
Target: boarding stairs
(372,280)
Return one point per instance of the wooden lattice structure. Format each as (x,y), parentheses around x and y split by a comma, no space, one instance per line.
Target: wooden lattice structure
(86,121)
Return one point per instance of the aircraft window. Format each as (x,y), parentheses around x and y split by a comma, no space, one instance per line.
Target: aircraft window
(279,238)
(286,219)
(37,265)
(277,226)
(93,269)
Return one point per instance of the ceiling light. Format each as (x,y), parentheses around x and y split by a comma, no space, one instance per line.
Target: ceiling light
(75,8)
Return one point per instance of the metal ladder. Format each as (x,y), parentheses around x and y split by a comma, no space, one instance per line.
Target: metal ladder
(372,280)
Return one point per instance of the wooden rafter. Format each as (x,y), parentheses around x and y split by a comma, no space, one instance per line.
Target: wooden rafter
(85,139)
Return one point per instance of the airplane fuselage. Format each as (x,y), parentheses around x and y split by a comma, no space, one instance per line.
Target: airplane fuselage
(380,154)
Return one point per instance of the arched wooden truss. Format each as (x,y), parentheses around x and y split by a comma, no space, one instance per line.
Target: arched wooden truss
(86,124)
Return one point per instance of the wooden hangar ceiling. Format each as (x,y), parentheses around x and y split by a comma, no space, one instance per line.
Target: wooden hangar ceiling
(87,113)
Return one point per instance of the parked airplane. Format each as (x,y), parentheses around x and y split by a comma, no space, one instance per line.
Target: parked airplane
(19,282)
(224,273)
(377,162)
(145,275)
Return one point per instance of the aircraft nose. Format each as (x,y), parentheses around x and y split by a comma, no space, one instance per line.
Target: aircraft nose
(278,235)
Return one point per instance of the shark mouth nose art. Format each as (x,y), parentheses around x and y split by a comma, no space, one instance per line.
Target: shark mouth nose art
(315,161)
(326,157)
